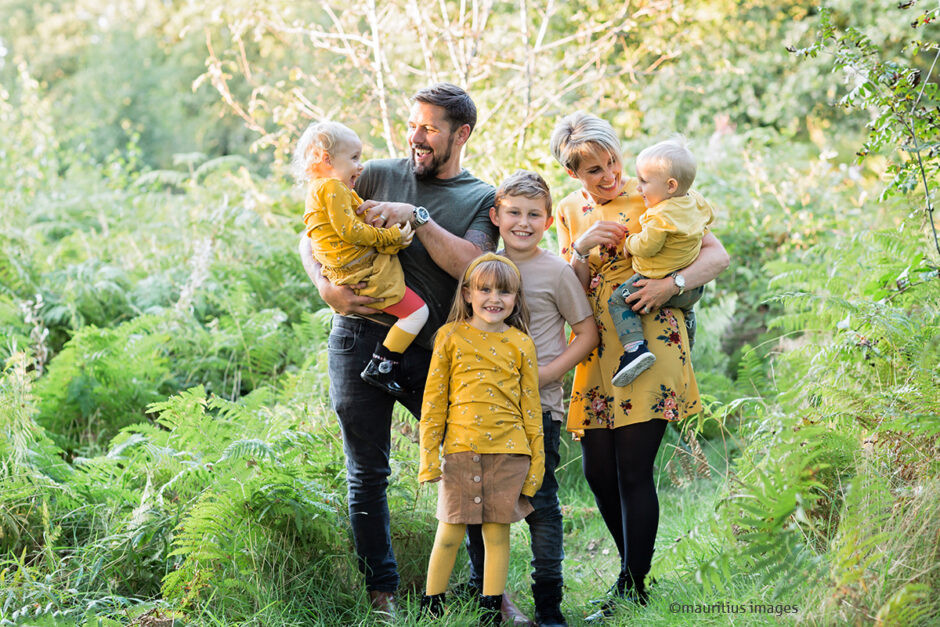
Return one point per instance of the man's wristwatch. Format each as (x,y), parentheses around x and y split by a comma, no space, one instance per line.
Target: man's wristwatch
(679,280)
(419,216)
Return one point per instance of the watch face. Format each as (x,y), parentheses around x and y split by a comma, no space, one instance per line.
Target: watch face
(421,215)
(680,281)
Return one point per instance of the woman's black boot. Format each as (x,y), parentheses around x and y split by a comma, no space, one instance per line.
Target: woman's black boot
(637,593)
(432,605)
(627,589)
(490,604)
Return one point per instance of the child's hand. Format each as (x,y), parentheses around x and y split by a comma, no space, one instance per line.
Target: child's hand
(407,233)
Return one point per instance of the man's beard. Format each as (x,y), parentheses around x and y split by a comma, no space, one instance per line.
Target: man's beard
(437,161)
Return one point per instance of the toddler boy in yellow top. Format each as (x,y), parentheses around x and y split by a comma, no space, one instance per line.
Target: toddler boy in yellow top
(673,226)
(350,251)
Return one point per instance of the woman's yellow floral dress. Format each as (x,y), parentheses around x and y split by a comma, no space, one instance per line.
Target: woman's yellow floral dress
(668,389)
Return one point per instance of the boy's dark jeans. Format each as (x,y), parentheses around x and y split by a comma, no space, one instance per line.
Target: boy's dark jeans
(545,524)
(365,417)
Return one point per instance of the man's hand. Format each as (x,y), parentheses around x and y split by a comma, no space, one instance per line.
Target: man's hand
(344,300)
(341,298)
(385,214)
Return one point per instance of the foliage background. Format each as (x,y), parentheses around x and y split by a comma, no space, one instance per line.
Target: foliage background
(167,447)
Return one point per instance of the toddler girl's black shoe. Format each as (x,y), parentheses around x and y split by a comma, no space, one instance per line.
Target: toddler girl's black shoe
(383,371)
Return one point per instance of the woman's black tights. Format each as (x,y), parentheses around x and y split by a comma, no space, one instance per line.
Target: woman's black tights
(618,466)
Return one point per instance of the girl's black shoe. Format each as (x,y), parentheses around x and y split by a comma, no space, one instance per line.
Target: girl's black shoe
(432,605)
(491,604)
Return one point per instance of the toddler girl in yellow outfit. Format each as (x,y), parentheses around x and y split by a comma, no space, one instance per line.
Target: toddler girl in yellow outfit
(481,410)
(673,226)
(350,251)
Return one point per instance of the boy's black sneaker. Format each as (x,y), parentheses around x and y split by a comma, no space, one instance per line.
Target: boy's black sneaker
(632,365)
(383,370)
(547,597)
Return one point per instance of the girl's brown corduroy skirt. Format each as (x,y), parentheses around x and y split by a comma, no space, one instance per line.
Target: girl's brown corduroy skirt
(483,487)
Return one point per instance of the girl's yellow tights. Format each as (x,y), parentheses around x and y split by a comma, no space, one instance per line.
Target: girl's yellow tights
(495,563)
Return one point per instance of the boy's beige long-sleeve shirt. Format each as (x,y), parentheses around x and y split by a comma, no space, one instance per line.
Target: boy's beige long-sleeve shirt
(672,235)
(482,395)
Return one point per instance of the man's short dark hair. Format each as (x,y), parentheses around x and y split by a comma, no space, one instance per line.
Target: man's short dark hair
(455,101)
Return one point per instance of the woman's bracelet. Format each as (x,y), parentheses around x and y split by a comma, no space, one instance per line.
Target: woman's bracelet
(577,254)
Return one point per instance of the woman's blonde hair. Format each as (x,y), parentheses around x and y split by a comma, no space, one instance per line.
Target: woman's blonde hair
(320,138)
(581,134)
(496,272)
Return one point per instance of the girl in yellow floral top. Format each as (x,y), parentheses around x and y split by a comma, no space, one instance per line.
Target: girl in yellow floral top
(482,411)
(353,252)
(622,427)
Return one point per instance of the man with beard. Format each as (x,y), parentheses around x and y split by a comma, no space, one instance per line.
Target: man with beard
(449,210)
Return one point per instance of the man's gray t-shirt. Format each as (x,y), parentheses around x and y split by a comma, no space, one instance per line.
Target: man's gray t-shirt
(458,205)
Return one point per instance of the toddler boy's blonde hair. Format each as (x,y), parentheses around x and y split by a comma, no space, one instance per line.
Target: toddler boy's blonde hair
(674,159)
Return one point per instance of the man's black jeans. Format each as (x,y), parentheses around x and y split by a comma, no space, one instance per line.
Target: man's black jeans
(365,417)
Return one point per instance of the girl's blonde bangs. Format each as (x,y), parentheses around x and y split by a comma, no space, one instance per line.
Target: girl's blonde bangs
(494,274)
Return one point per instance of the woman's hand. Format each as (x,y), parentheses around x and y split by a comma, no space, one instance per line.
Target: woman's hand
(653,294)
(603,232)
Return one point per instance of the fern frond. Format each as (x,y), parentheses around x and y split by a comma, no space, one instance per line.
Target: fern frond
(252,449)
